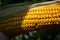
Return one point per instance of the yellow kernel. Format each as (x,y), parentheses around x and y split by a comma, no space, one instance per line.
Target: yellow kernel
(48,22)
(57,22)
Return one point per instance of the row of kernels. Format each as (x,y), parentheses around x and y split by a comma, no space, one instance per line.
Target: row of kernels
(41,20)
(41,23)
(11,19)
(37,10)
(30,21)
(11,23)
(42,12)
(52,15)
(34,21)
(42,16)
(28,24)
(48,8)
(34,16)
(50,19)
(48,23)
(44,9)
(38,24)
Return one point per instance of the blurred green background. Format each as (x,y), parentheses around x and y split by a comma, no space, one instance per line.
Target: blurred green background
(3,3)
(6,2)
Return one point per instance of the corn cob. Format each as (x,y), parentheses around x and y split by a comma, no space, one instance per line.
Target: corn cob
(42,15)
(35,18)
